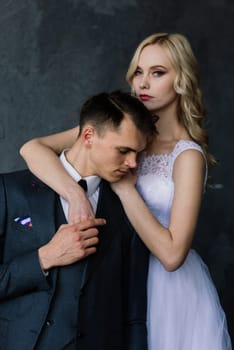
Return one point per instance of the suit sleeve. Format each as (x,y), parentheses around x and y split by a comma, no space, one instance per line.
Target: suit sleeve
(137,295)
(22,273)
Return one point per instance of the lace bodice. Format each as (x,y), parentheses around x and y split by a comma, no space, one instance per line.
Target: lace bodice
(155,182)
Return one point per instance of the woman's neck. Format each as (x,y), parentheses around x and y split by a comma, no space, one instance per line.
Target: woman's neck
(169,127)
(170,131)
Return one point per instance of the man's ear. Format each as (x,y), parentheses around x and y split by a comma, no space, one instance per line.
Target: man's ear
(87,134)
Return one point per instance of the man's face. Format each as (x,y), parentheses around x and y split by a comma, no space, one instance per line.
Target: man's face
(114,152)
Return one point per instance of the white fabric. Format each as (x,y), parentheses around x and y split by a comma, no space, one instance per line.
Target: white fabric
(184,312)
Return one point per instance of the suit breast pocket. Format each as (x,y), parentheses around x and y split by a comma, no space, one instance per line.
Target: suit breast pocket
(19,239)
(17,226)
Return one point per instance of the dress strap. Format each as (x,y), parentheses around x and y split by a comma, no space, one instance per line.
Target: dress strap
(184,145)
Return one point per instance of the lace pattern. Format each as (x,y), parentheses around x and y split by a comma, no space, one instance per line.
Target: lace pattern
(162,164)
(154,164)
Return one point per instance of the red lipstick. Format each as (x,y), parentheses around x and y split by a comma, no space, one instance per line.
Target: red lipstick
(145,97)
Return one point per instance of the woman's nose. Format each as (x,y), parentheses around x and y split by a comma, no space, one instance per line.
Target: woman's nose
(144,83)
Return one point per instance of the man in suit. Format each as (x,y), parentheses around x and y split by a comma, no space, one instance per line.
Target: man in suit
(81,286)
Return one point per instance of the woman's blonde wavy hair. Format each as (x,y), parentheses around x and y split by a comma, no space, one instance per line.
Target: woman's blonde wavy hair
(191,111)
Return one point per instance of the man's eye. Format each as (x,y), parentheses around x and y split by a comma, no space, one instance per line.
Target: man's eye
(123,151)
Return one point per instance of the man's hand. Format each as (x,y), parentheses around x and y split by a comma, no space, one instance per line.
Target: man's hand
(70,244)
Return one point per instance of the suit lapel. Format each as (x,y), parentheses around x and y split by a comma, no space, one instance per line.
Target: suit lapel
(42,205)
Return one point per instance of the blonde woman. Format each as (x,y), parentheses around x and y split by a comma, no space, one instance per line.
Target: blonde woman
(184,312)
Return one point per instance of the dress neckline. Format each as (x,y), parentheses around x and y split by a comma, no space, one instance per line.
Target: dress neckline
(165,155)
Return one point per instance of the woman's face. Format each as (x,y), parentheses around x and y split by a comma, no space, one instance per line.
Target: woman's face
(154,78)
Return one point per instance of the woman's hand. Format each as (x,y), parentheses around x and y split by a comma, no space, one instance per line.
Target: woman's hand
(125,184)
(80,208)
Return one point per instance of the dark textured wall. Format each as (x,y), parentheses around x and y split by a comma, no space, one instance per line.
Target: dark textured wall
(54,54)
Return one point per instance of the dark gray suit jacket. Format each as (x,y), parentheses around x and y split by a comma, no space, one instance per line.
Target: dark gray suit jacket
(108,289)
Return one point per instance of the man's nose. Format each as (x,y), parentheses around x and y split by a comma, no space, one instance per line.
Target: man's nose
(131,161)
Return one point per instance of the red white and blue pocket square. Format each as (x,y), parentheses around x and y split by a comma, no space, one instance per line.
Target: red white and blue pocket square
(24,220)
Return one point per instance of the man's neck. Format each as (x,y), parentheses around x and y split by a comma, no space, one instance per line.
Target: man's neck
(78,159)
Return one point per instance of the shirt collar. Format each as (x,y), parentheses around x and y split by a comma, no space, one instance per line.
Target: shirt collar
(92,181)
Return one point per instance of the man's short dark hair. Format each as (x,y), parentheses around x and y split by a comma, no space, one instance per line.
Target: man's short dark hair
(108,109)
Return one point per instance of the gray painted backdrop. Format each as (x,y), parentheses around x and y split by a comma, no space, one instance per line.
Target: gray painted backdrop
(54,54)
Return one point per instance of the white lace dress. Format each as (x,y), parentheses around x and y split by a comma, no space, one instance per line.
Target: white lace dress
(184,312)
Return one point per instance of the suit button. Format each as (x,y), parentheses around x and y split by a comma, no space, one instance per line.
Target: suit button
(80,334)
(49,323)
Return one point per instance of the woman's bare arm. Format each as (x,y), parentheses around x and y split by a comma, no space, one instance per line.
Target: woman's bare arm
(171,244)
(41,156)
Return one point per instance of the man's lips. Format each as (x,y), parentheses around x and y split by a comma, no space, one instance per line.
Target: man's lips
(145,97)
(122,171)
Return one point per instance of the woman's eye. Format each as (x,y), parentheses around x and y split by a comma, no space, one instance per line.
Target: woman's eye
(137,72)
(158,73)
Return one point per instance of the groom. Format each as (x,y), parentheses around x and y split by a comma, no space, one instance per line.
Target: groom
(82,286)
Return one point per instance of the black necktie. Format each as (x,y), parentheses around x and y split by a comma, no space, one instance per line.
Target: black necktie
(83,184)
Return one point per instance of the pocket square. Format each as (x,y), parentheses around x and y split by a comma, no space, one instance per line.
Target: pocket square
(24,220)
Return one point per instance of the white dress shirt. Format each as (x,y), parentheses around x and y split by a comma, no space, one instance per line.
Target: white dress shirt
(92,184)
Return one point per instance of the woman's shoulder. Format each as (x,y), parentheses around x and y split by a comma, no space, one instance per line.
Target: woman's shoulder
(188,145)
(184,145)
